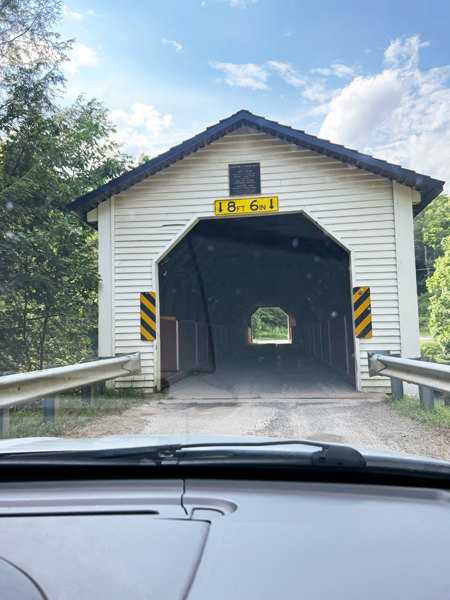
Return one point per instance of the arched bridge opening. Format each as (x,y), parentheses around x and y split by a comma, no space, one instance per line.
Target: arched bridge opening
(221,272)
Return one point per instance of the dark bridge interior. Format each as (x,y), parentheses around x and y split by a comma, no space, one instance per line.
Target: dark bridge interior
(224,269)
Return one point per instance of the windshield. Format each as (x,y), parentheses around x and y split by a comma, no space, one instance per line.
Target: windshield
(214,214)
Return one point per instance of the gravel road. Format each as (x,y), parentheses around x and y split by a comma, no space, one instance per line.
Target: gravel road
(275,395)
(367,422)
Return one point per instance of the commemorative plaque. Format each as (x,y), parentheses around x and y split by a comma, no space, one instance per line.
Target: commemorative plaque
(244,179)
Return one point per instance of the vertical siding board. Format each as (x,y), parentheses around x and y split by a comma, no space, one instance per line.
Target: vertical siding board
(355,204)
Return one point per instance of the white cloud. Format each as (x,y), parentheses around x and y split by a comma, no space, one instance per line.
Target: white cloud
(141,115)
(239,3)
(327,72)
(316,91)
(404,53)
(401,114)
(337,69)
(246,75)
(178,47)
(322,109)
(76,15)
(288,33)
(144,129)
(312,89)
(361,107)
(233,3)
(256,76)
(287,72)
(80,56)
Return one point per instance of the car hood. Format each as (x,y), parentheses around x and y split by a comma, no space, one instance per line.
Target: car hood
(54,444)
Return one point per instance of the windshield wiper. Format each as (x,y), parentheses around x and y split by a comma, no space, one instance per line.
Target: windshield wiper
(245,455)
(328,455)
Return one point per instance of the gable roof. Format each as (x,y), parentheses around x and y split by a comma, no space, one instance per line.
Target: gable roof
(428,187)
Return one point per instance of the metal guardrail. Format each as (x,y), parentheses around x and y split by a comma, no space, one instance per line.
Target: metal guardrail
(35,385)
(426,375)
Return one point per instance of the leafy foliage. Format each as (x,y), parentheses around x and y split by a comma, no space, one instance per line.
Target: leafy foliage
(48,257)
(269,324)
(424,314)
(48,156)
(431,227)
(436,223)
(26,34)
(439,288)
(431,349)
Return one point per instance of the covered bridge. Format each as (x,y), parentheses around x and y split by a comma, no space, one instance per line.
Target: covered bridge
(250,214)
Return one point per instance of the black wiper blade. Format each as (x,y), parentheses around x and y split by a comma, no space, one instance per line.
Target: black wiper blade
(329,455)
(103,456)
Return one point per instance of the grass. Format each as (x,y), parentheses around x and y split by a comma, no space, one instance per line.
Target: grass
(27,420)
(411,408)
(432,349)
(275,333)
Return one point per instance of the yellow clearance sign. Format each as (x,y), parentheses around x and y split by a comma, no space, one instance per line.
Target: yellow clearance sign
(245,205)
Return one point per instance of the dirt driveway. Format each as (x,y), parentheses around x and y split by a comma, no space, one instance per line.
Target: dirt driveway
(278,398)
(366,421)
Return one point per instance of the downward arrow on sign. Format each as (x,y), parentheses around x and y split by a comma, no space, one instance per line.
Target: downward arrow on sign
(271,203)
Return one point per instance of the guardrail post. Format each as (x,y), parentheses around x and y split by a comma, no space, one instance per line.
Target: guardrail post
(51,403)
(4,420)
(396,384)
(426,394)
(99,389)
(88,393)
(51,408)
(5,417)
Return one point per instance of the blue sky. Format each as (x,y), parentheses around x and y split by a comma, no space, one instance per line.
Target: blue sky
(374,76)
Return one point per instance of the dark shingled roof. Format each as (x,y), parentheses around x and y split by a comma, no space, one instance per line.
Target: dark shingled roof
(428,187)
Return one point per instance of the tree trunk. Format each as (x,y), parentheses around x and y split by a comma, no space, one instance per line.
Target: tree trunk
(41,343)
(24,332)
(426,260)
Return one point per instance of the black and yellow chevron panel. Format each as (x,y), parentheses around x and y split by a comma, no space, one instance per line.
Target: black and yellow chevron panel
(148,316)
(362,312)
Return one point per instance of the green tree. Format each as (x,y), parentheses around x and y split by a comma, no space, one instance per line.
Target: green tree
(26,33)
(50,288)
(49,291)
(436,223)
(430,228)
(269,324)
(439,288)
(48,156)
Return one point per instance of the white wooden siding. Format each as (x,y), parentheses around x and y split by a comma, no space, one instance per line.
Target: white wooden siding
(355,205)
